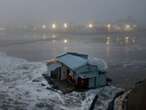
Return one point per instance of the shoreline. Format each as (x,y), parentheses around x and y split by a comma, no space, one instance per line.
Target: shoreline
(133,99)
(117,79)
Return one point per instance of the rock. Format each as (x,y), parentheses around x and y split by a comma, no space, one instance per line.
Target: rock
(42,84)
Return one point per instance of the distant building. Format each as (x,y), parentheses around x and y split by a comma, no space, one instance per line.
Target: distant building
(78,69)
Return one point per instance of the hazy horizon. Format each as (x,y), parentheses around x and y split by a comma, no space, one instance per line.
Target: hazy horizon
(75,11)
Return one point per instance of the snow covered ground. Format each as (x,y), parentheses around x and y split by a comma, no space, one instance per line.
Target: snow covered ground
(22,87)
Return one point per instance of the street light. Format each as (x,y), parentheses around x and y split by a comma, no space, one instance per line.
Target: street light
(128,27)
(44,26)
(53,26)
(90,25)
(65,25)
(65,41)
(108,26)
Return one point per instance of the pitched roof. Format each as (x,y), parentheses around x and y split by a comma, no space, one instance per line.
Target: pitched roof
(73,60)
(88,74)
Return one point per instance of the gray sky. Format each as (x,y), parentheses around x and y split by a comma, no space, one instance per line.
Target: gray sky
(42,11)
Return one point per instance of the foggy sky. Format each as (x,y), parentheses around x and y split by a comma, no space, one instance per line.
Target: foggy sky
(75,11)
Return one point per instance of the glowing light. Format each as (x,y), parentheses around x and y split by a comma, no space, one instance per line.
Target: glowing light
(44,26)
(108,40)
(127,26)
(65,41)
(108,26)
(65,25)
(90,25)
(53,26)
(126,39)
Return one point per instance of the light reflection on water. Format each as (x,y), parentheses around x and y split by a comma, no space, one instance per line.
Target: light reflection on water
(118,50)
(105,46)
(95,45)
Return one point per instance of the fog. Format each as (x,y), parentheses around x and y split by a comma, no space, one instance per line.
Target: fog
(75,11)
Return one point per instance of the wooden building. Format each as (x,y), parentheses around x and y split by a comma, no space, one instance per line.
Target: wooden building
(78,69)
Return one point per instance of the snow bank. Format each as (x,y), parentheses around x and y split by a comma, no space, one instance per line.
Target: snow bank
(22,87)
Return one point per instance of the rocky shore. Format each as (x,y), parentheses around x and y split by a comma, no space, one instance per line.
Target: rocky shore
(133,99)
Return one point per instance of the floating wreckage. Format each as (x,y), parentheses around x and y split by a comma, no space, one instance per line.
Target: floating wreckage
(27,89)
(71,71)
(75,72)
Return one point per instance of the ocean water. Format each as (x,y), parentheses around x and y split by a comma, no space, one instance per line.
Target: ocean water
(124,53)
(22,87)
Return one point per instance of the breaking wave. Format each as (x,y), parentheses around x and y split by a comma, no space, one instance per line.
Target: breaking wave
(23,87)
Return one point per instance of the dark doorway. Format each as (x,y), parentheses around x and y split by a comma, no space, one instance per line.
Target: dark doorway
(83,83)
(56,74)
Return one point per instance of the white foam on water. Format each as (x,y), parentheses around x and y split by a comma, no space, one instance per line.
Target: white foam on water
(19,90)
